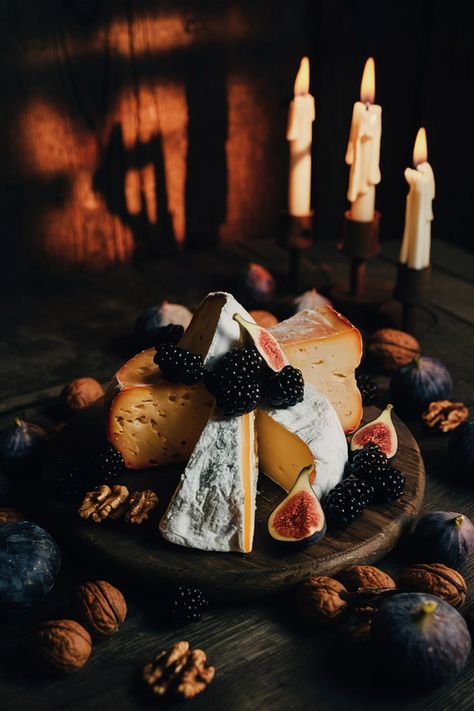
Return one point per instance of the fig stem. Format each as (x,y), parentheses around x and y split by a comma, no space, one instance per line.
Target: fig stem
(428,606)
(389,407)
(416,361)
(18,421)
(458,520)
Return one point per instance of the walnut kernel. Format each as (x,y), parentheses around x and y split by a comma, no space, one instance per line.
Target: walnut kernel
(437,579)
(63,645)
(444,415)
(140,504)
(365,577)
(319,601)
(104,502)
(10,516)
(181,672)
(102,608)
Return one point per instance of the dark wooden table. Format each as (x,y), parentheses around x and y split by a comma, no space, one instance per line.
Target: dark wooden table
(58,329)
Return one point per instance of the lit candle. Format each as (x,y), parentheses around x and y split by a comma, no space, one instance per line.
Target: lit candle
(416,245)
(363,149)
(301,115)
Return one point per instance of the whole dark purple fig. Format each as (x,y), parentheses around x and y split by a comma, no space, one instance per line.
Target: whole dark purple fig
(461,451)
(444,537)
(419,640)
(415,385)
(22,445)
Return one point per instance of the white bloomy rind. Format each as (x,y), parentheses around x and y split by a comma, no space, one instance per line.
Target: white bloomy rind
(314,420)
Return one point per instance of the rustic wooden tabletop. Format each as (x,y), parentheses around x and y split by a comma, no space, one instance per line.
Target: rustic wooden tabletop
(55,330)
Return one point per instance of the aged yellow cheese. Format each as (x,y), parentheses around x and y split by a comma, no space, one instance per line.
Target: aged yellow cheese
(327,348)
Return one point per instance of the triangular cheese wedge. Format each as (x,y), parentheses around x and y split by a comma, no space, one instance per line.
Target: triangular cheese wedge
(307,433)
(213,507)
(154,422)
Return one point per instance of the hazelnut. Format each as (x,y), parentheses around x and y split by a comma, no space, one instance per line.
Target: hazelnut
(10,516)
(365,577)
(80,393)
(388,349)
(101,607)
(63,645)
(319,601)
(434,578)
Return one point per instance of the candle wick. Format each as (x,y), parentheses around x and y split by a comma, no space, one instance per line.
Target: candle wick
(367,104)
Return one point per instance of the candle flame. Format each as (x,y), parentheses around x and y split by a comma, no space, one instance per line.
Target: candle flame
(420,151)
(302,78)
(367,86)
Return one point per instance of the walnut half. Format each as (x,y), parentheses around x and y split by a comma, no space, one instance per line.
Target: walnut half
(444,415)
(104,502)
(181,672)
(140,504)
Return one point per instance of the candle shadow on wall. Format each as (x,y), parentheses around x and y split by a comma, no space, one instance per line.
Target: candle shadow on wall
(206,164)
(133,183)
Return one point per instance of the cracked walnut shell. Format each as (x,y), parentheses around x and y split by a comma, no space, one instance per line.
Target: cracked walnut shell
(63,645)
(434,578)
(140,504)
(101,607)
(104,502)
(180,672)
(444,415)
(365,577)
(319,601)
(80,393)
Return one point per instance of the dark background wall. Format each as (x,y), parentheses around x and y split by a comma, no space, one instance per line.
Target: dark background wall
(131,126)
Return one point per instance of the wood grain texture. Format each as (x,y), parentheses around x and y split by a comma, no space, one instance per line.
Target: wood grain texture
(141,553)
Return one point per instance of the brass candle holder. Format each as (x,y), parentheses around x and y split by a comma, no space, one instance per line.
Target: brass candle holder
(412,290)
(295,235)
(359,242)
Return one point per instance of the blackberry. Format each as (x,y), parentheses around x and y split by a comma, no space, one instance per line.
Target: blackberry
(71,482)
(179,365)
(237,396)
(388,484)
(285,388)
(82,472)
(365,460)
(107,464)
(187,604)
(168,334)
(368,388)
(238,362)
(346,502)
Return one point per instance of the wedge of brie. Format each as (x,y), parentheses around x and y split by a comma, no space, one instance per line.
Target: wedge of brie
(213,507)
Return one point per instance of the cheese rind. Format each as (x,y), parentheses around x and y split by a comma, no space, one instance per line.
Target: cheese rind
(309,432)
(213,507)
(327,348)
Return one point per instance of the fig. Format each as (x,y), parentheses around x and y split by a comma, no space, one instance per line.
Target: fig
(310,300)
(266,344)
(415,385)
(299,518)
(419,640)
(149,323)
(29,563)
(461,450)
(259,283)
(444,537)
(22,445)
(380,431)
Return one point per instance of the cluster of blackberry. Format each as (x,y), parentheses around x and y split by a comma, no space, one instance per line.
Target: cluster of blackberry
(91,468)
(371,480)
(240,380)
(187,604)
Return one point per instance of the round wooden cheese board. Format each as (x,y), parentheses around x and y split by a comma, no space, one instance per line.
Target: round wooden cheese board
(140,554)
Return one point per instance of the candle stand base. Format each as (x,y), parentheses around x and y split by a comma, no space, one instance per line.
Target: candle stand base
(412,290)
(359,242)
(296,234)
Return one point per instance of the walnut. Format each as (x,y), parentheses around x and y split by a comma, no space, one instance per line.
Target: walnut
(10,516)
(434,578)
(444,415)
(388,349)
(80,393)
(104,502)
(140,504)
(319,600)
(102,608)
(63,645)
(365,577)
(181,672)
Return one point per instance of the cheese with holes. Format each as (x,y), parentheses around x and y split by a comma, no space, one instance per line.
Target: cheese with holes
(307,433)
(327,348)
(154,422)
(213,507)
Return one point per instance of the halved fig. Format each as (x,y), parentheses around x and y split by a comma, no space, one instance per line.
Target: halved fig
(299,518)
(266,344)
(380,431)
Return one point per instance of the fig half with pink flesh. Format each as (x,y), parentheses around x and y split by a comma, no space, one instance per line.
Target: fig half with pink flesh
(299,518)
(380,431)
(266,344)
